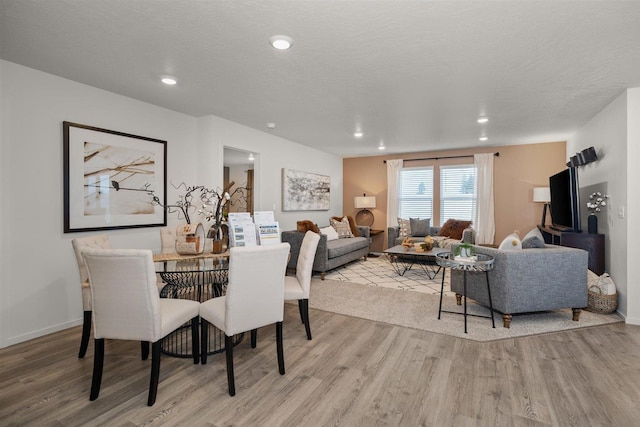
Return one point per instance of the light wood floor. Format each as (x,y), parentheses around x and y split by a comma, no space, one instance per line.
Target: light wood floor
(353,373)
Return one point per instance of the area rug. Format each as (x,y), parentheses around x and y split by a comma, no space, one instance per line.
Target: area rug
(419,310)
(379,272)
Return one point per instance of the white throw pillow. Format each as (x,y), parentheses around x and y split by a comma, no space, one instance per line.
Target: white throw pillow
(511,242)
(330,232)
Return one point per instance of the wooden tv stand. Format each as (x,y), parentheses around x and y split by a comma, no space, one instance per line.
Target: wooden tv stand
(592,243)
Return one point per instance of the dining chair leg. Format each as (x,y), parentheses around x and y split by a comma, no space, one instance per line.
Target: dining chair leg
(155,371)
(204,340)
(301,311)
(280,347)
(98,362)
(228,344)
(144,348)
(254,338)
(195,340)
(304,303)
(86,334)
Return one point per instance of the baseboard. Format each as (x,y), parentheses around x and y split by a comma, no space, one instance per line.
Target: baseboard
(42,332)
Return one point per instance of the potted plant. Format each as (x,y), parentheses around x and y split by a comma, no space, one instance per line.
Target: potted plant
(464,250)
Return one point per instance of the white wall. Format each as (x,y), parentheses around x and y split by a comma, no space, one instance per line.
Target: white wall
(39,282)
(608,133)
(633,205)
(272,155)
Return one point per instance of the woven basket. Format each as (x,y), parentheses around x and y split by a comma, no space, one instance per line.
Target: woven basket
(600,303)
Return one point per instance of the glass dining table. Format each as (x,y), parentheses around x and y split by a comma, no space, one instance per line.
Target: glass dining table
(198,278)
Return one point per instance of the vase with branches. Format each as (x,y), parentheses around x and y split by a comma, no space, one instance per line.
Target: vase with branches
(212,204)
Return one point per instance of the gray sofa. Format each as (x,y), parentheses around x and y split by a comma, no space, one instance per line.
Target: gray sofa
(393,239)
(529,280)
(330,255)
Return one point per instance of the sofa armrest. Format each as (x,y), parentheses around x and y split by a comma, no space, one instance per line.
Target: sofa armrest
(469,235)
(364,231)
(294,238)
(392,235)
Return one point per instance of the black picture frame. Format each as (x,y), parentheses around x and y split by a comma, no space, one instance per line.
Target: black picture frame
(110,179)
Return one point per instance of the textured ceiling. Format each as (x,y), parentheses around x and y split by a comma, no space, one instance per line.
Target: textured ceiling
(414,75)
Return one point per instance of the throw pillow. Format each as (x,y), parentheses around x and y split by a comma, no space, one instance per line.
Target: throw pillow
(330,232)
(352,224)
(533,239)
(342,227)
(405,227)
(306,225)
(444,242)
(453,228)
(511,242)
(420,227)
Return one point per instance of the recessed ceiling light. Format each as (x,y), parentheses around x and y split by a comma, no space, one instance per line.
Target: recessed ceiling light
(281,42)
(483,120)
(169,81)
(483,138)
(358,134)
(271,125)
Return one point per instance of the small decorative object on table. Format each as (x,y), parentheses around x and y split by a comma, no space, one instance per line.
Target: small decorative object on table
(464,250)
(596,202)
(214,207)
(428,244)
(407,243)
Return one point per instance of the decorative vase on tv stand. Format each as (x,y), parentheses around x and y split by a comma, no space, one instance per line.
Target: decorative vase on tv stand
(592,223)
(596,202)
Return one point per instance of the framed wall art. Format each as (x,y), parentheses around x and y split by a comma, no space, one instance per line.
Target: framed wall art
(110,179)
(303,191)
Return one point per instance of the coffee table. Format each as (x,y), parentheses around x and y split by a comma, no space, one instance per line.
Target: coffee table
(402,259)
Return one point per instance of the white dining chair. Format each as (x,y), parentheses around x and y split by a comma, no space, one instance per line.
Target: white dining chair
(254,298)
(297,287)
(126,306)
(100,241)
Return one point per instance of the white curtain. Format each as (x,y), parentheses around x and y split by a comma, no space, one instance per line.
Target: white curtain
(485,221)
(393,176)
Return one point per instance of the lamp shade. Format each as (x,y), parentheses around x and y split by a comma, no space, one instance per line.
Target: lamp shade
(364,202)
(541,195)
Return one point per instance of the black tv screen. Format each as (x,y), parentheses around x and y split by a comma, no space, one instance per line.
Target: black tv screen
(565,200)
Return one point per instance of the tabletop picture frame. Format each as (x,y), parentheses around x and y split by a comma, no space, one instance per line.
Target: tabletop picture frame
(110,179)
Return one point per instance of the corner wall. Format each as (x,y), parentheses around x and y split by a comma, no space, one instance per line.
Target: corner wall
(39,280)
(607,133)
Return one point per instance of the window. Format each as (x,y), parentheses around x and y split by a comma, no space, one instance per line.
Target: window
(416,193)
(457,192)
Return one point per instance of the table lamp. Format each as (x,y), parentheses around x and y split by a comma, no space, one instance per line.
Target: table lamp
(364,203)
(542,195)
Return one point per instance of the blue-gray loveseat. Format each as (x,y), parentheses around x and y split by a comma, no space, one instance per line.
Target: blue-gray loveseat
(529,280)
(330,255)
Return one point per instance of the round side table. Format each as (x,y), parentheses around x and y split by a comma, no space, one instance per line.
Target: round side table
(477,263)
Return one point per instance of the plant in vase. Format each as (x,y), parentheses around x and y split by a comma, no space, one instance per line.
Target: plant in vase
(214,207)
(464,250)
(597,201)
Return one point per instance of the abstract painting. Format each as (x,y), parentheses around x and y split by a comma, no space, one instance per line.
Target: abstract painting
(303,191)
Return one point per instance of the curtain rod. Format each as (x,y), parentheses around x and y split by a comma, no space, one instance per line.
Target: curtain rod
(440,158)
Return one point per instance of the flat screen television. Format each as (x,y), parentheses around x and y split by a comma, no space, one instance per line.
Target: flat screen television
(565,200)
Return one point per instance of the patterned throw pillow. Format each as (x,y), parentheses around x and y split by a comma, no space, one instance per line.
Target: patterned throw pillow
(342,227)
(405,227)
(453,228)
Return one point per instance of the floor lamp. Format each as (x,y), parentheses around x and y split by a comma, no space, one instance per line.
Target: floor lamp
(542,195)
